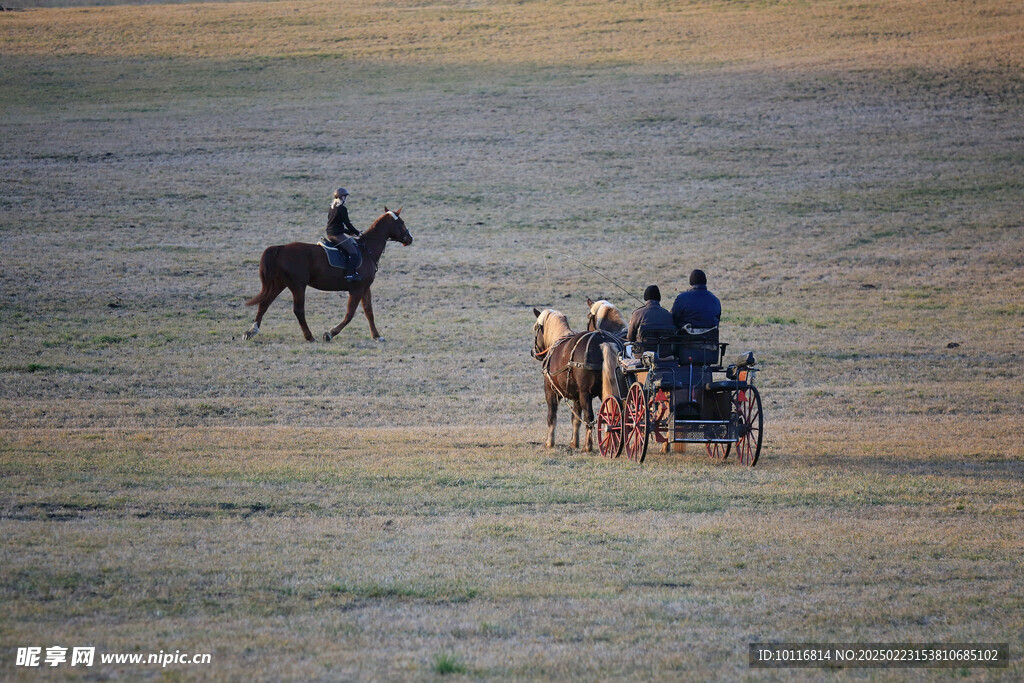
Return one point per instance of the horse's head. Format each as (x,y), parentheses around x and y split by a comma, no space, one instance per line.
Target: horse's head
(538,331)
(396,229)
(591,315)
(603,315)
(549,327)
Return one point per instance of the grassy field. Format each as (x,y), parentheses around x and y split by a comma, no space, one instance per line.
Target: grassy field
(850,175)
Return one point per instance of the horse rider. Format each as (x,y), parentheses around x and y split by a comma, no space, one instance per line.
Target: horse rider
(697,310)
(340,231)
(650,317)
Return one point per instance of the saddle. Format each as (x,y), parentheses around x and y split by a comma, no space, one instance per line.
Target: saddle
(339,258)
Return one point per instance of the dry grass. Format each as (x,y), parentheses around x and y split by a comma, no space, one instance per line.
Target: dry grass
(378,555)
(849,175)
(835,34)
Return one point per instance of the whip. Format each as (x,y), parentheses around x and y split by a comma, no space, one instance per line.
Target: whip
(628,293)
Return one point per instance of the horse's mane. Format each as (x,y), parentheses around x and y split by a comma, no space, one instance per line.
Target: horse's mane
(606,311)
(362,238)
(380,218)
(555,323)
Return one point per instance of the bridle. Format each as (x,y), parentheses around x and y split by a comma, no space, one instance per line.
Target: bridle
(404,238)
(538,351)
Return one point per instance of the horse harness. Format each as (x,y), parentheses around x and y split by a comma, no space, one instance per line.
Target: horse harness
(570,364)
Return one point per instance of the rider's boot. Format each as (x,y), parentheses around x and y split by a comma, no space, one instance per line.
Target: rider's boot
(353,274)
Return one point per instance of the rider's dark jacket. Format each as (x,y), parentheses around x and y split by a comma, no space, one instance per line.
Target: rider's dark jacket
(698,308)
(338,223)
(649,318)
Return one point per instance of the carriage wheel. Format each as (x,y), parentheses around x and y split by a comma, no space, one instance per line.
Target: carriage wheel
(659,411)
(609,427)
(747,406)
(719,451)
(635,423)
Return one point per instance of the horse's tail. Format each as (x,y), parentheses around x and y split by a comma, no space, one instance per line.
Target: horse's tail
(268,274)
(610,370)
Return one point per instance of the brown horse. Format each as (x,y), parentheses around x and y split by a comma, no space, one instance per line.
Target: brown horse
(298,265)
(574,367)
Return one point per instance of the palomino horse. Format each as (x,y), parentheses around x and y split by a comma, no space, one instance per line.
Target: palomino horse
(575,368)
(605,316)
(298,265)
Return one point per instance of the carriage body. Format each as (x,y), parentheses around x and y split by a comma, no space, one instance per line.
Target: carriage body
(679,390)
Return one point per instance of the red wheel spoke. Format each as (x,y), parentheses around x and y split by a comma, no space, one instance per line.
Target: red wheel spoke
(718,451)
(610,428)
(751,422)
(636,423)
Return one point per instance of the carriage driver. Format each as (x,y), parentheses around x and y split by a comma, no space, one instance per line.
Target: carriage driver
(650,317)
(339,230)
(697,308)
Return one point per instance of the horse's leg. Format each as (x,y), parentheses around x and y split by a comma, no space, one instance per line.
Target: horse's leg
(574,442)
(353,303)
(275,290)
(368,312)
(552,399)
(588,416)
(299,307)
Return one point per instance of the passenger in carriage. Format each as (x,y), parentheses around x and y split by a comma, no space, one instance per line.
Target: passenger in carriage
(650,317)
(697,309)
(339,229)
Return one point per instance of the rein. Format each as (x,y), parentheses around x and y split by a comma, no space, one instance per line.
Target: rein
(361,241)
(540,355)
(366,248)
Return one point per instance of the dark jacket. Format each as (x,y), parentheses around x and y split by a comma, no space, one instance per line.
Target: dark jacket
(698,308)
(338,223)
(649,317)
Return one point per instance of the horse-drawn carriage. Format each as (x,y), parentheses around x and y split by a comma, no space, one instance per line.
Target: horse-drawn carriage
(680,391)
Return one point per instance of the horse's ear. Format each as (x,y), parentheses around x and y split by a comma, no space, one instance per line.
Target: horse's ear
(398,213)
(589,302)
(385,208)
(536,313)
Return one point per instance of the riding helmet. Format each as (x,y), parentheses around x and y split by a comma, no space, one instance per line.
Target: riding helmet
(340,192)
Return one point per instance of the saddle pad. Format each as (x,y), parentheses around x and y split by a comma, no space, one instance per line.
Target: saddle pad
(334,255)
(336,258)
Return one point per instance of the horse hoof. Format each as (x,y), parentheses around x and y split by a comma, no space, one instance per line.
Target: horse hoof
(380,340)
(327,336)
(250,333)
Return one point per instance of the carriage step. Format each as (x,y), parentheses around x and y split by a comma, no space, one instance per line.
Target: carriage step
(726,385)
(703,430)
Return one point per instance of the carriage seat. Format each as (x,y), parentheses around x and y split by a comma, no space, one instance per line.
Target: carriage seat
(698,353)
(685,348)
(659,342)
